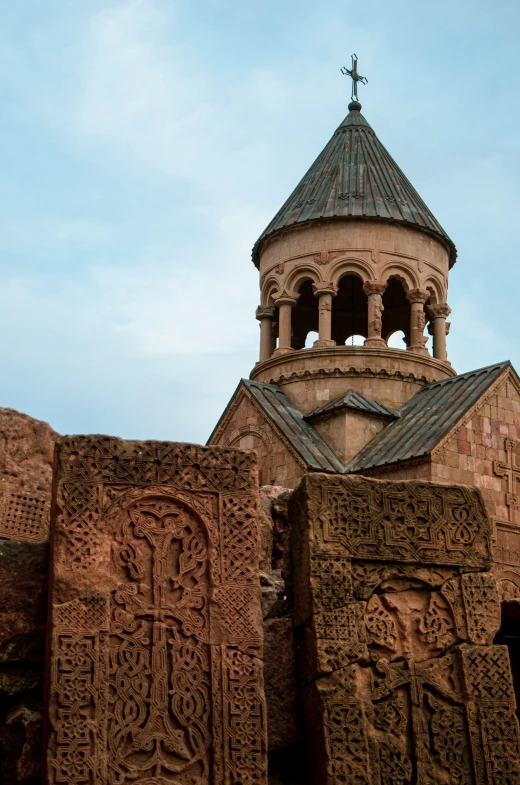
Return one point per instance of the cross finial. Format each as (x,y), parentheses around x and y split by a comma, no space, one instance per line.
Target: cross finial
(353,73)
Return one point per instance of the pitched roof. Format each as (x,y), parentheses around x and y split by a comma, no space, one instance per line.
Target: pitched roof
(353,400)
(354,176)
(426,419)
(284,415)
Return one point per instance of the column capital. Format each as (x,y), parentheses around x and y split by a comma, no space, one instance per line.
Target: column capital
(265,312)
(417,296)
(440,311)
(286,297)
(324,287)
(374,287)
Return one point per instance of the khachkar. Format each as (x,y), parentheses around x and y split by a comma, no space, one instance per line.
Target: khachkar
(155,661)
(395,617)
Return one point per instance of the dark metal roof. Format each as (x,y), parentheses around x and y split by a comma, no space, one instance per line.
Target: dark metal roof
(354,176)
(284,415)
(426,419)
(289,420)
(353,400)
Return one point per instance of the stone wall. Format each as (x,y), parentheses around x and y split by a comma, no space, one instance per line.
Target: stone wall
(485,452)
(247,428)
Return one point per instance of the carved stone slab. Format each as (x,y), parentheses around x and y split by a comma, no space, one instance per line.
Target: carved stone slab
(155,662)
(396,618)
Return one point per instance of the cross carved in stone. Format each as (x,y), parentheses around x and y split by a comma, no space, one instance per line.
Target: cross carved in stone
(511,471)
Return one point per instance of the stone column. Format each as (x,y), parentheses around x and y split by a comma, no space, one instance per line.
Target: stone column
(285,302)
(417,298)
(325,291)
(265,316)
(374,291)
(438,315)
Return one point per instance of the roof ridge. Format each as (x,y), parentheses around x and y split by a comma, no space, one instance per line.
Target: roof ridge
(487,368)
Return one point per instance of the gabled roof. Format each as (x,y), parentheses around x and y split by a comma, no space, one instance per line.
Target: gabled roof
(354,176)
(288,420)
(426,419)
(353,400)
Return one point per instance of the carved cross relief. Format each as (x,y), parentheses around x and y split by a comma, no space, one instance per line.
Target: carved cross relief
(511,471)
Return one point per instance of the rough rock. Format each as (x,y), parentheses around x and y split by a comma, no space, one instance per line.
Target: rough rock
(21,743)
(16,680)
(274,601)
(23,600)
(26,455)
(281,692)
(274,501)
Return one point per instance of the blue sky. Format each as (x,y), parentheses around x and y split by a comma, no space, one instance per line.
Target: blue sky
(145,145)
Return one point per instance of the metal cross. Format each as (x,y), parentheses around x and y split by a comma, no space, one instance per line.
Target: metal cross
(353,73)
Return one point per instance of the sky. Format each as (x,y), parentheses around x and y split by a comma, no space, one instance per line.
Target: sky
(145,145)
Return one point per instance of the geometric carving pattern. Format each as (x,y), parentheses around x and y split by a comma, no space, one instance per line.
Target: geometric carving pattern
(422,697)
(156,672)
(24,516)
(400,521)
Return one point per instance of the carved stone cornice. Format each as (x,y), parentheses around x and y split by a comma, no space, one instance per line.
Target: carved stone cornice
(417,296)
(265,312)
(374,287)
(324,287)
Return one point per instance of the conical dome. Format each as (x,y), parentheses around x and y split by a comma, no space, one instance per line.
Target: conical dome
(355,177)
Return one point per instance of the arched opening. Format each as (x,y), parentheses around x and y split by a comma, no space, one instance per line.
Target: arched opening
(349,310)
(305,315)
(311,337)
(396,314)
(396,340)
(509,635)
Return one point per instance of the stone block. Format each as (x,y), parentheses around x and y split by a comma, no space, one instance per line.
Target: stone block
(400,680)
(156,630)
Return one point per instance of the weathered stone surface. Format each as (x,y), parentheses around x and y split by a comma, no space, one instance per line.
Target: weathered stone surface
(156,633)
(281,689)
(23,600)
(26,454)
(21,744)
(396,617)
(13,681)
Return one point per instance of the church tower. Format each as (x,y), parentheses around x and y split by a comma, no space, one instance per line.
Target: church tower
(352,258)
(354,251)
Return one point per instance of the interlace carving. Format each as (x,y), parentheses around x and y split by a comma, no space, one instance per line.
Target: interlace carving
(380,624)
(409,521)
(426,699)
(437,626)
(159,616)
(24,516)
(156,676)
